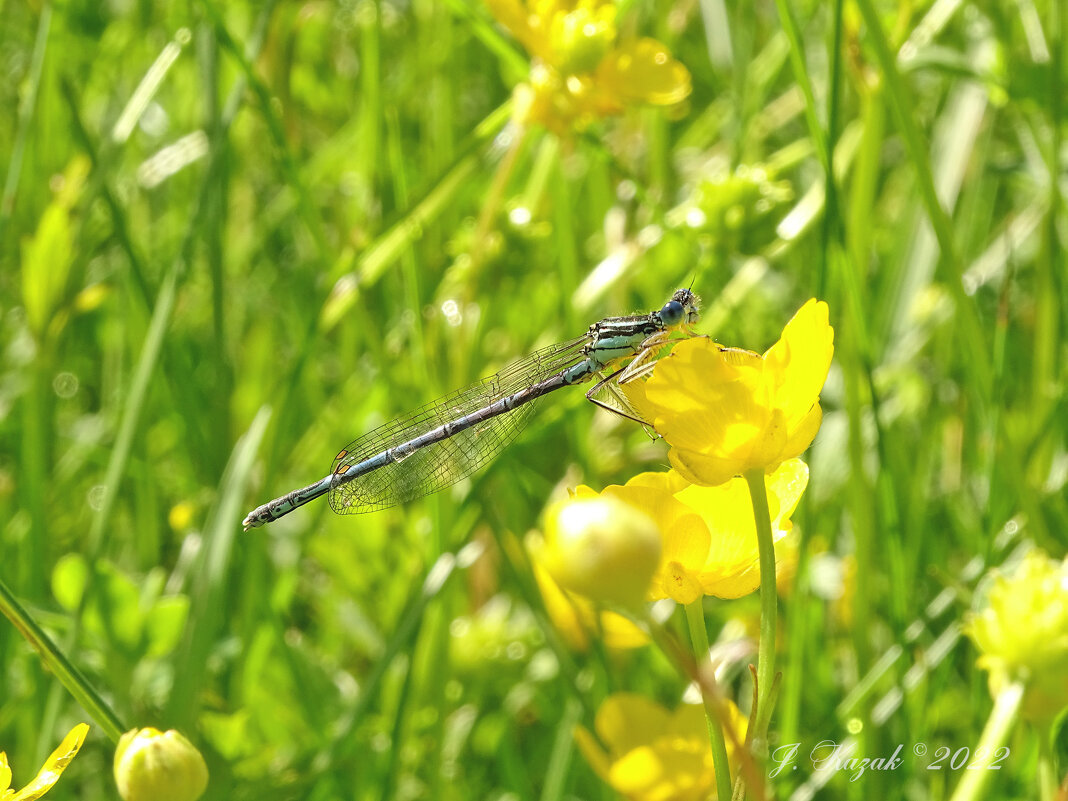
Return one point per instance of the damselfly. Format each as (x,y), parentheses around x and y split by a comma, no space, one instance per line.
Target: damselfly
(444,441)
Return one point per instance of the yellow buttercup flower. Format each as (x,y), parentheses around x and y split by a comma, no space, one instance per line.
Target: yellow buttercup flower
(578,619)
(709,542)
(1023,634)
(726,411)
(581,70)
(654,754)
(49,774)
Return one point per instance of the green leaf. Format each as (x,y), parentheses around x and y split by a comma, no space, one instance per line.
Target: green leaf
(164,624)
(47,255)
(69,577)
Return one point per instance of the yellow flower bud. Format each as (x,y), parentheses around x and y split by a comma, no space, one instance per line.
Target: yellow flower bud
(1023,634)
(601,548)
(151,765)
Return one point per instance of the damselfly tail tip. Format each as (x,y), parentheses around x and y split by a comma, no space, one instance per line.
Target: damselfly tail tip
(250,522)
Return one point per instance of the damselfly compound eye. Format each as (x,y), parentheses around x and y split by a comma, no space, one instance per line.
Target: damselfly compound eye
(672,313)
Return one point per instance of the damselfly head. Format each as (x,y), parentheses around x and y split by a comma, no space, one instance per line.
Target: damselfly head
(682,309)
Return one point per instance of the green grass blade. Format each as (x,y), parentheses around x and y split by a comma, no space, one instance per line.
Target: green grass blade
(214,568)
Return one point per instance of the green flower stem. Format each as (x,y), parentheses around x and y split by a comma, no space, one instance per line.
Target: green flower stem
(995,733)
(1047,768)
(71,678)
(695,618)
(748,770)
(769,610)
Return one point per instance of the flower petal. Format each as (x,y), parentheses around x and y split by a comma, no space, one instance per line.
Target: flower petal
(526,26)
(684,535)
(656,502)
(682,378)
(785,488)
(54,766)
(769,446)
(728,512)
(577,619)
(731,569)
(700,469)
(592,751)
(620,633)
(643,71)
(686,540)
(563,610)
(804,431)
(669,482)
(731,581)
(5,775)
(625,720)
(666,757)
(801,359)
(715,402)
(678,583)
(637,771)
(725,411)
(688,720)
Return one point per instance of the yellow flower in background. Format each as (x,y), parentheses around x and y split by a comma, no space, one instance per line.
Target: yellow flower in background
(1023,634)
(581,70)
(49,774)
(180,516)
(726,411)
(654,754)
(578,619)
(709,544)
(842,605)
(601,548)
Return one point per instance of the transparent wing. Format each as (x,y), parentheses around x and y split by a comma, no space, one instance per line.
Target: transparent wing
(434,467)
(623,391)
(613,397)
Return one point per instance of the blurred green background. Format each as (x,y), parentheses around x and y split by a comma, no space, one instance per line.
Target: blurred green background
(235,236)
